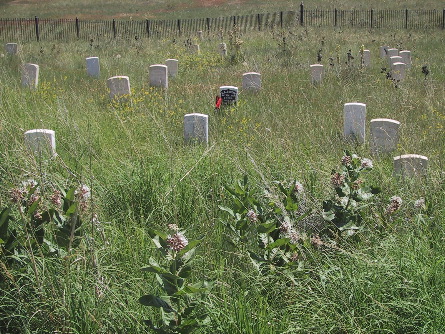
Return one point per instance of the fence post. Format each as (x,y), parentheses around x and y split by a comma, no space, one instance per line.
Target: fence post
(281,19)
(335,17)
(443,19)
(301,14)
(208,24)
(406,18)
(234,20)
(372,18)
(114,28)
(36,19)
(147,27)
(258,16)
(77,28)
(179,26)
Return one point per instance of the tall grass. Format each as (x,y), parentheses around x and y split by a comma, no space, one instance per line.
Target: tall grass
(140,9)
(390,280)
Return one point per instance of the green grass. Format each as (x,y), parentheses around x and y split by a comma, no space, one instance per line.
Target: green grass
(141,9)
(391,280)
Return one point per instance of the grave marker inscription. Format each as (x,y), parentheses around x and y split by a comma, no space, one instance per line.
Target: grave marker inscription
(229,94)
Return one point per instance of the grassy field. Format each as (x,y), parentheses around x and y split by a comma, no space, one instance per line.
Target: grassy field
(142,9)
(387,277)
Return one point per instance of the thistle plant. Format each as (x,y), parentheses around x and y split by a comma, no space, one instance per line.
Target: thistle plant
(180,306)
(272,219)
(352,195)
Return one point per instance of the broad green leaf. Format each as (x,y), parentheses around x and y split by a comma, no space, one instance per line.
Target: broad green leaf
(241,224)
(153,262)
(154,269)
(187,256)
(70,194)
(256,257)
(266,227)
(328,215)
(150,300)
(192,244)
(171,285)
(228,210)
(239,190)
(363,195)
(153,233)
(278,243)
(33,207)
(4,222)
(185,271)
(72,209)
(290,204)
(282,189)
(327,205)
(230,190)
(169,320)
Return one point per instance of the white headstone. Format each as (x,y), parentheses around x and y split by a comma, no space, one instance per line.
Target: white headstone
(172,67)
(229,94)
(30,76)
(93,67)
(354,121)
(316,73)
(252,81)
(194,48)
(366,58)
(391,52)
(41,142)
(383,50)
(11,48)
(398,71)
(119,87)
(222,48)
(410,165)
(196,128)
(395,59)
(384,135)
(158,75)
(406,57)
(200,35)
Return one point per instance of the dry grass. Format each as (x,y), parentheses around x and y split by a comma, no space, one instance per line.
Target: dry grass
(141,9)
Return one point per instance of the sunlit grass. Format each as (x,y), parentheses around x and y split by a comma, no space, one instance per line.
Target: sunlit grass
(140,9)
(133,156)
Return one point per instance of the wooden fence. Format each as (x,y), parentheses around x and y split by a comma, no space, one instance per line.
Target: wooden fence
(68,29)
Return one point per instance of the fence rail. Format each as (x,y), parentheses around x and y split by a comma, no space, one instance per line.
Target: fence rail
(69,29)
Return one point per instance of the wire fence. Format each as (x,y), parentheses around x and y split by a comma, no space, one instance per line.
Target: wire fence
(36,29)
